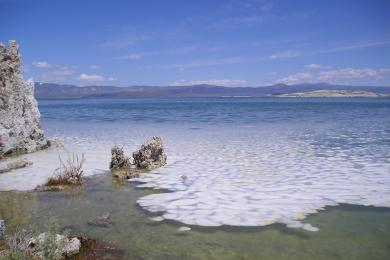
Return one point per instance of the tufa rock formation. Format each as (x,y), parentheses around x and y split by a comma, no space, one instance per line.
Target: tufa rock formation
(120,165)
(20,130)
(151,155)
(118,159)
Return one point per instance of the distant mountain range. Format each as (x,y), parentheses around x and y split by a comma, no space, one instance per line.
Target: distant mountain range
(58,91)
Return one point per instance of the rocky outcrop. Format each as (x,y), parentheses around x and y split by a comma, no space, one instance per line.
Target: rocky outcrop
(151,155)
(118,159)
(20,130)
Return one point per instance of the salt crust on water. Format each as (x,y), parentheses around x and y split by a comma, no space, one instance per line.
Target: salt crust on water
(257,181)
(233,177)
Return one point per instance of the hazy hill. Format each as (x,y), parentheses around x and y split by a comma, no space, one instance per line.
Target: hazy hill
(336,93)
(58,91)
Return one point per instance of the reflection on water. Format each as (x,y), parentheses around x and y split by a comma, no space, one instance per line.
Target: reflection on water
(352,232)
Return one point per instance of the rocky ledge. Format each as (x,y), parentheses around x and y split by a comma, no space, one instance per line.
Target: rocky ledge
(20,130)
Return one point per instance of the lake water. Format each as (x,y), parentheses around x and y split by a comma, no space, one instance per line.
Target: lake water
(253,177)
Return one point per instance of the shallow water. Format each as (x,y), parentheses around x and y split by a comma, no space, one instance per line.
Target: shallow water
(346,231)
(247,162)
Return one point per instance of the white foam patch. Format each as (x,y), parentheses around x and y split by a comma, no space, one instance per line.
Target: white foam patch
(260,180)
(183,229)
(156,219)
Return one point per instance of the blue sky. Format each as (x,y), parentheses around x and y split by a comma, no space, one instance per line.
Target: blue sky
(231,43)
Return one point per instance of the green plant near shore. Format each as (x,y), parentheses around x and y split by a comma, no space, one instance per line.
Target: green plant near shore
(69,173)
(51,247)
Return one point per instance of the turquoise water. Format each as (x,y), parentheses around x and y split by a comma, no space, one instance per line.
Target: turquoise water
(266,178)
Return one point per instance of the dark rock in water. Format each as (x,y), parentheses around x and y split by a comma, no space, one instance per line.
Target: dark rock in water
(20,129)
(13,165)
(118,159)
(2,228)
(151,155)
(103,220)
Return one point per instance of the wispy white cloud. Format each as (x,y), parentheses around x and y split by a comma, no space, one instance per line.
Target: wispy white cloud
(334,75)
(217,82)
(62,71)
(131,56)
(239,21)
(41,64)
(167,52)
(355,46)
(284,55)
(257,12)
(348,73)
(209,62)
(164,52)
(95,67)
(251,5)
(296,78)
(91,77)
(385,71)
(317,66)
(58,73)
(123,43)
(296,53)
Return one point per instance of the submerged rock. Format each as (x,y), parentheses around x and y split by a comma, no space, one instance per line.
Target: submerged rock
(21,163)
(103,220)
(20,129)
(151,155)
(118,159)
(2,228)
